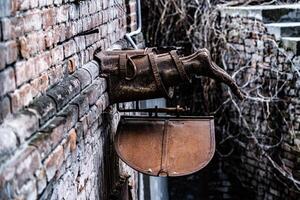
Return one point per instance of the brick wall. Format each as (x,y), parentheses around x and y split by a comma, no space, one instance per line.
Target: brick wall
(55,123)
(259,137)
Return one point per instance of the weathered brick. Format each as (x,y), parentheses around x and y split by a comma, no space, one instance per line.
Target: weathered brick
(54,161)
(57,2)
(4,108)
(64,91)
(93,69)
(21,97)
(71,29)
(80,43)
(82,103)
(84,77)
(60,32)
(103,102)
(55,73)
(73,12)
(32,44)
(62,14)
(25,71)
(19,170)
(94,91)
(7,29)
(12,52)
(87,23)
(7,83)
(44,107)
(48,17)
(42,62)
(93,115)
(3,52)
(5,8)
(8,142)
(41,83)
(32,21)
(57,54)
(71,115)
(70,144)
(50,136)
(73,63)
(84,9)
(23,123)
(69,48)
(43,3)
(49,38)
(41,180)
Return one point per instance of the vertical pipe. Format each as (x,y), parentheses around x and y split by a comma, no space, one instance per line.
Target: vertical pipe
(128,36)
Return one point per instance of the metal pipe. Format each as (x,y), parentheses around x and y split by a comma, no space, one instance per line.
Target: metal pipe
(139,27)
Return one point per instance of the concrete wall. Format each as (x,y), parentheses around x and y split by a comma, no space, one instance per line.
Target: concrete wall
(55,123)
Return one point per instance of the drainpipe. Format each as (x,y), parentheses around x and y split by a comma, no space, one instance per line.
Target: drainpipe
(139,25)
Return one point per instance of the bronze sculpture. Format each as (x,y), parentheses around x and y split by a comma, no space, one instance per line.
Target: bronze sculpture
(145,74)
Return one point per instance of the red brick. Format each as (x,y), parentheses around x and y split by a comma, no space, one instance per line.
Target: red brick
(48,16)
(41,83)
(70,143)
(54,161)
(21,97)
(73,63)
(32,21)
(57,54)
(7,83)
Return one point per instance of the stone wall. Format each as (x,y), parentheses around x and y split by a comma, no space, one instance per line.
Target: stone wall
(55,121)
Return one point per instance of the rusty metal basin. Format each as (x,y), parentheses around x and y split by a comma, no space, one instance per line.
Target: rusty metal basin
(165,146)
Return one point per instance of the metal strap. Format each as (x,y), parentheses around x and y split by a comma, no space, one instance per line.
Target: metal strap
(183,75)
(123,62)
(157,78)
(164,147)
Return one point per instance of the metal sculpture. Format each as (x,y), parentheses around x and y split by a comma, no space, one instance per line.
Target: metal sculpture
(161,145)
(144,74)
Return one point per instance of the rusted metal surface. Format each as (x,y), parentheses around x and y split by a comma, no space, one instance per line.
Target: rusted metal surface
(156,110)
(165,146)
(145,74)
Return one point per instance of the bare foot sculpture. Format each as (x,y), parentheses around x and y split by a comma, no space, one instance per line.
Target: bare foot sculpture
(144,74)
